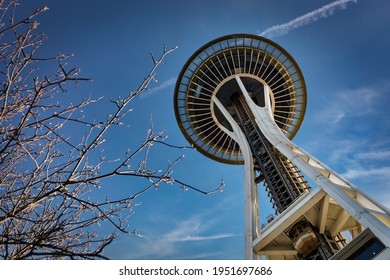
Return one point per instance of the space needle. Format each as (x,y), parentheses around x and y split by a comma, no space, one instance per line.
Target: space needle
(240,99)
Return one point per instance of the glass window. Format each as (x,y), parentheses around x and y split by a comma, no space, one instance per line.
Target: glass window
(369,250)
(248,42)
(216,47)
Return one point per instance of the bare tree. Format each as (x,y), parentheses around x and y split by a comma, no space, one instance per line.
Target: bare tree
(47,178)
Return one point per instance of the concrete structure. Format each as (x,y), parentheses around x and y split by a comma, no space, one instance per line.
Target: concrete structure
(240,99)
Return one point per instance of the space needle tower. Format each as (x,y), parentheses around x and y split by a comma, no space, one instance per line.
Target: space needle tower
(240,99)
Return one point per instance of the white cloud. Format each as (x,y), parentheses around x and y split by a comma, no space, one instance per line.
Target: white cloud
(350,103)
(374,155)
(354,173)
(192,230)
(359,101)
(344,151)
(208,237)
(169,245)
(165,84)
(313,16)
(331,115)
(161,86)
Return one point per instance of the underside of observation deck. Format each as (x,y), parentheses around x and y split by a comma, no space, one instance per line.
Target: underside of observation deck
(207,73)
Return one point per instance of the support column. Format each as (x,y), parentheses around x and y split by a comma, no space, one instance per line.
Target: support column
(251,212)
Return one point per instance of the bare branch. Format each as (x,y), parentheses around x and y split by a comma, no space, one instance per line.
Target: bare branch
(49,180)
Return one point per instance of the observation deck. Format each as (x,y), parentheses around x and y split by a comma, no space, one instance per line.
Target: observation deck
(210,71)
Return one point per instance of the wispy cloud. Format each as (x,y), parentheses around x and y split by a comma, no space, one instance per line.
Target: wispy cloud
(208,237)
(350,103)
(164,84)
(323,12)
(361,100)
(161,86)
(368,172)
(374,155)
(173,244)
(192,230)
(331,115)
(345,150)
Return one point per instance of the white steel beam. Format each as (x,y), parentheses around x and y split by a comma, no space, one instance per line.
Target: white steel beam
(342,218)
(251,212)
(323,214)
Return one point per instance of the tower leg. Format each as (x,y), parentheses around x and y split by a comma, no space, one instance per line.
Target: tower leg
(251,209)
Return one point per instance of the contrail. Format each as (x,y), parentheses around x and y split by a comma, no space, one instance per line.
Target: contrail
(323,12)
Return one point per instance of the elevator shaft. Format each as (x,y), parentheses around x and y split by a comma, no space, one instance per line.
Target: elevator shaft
(282,180)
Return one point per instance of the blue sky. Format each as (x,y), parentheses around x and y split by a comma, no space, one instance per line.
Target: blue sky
(342,51)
